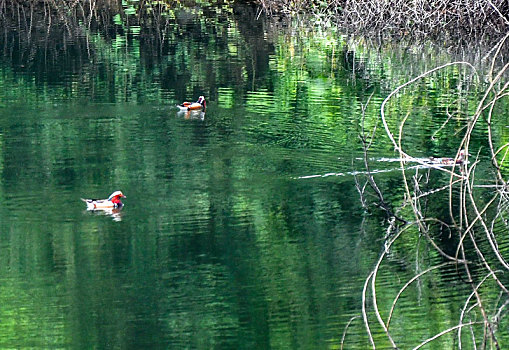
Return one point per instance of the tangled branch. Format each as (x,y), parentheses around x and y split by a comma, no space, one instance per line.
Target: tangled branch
(469,215)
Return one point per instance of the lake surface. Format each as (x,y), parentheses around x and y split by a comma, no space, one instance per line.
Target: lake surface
(242,227)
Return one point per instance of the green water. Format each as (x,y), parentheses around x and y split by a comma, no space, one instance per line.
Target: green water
(242,227)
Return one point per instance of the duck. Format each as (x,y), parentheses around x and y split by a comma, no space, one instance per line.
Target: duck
(112,202)
(449,161)
(199,105)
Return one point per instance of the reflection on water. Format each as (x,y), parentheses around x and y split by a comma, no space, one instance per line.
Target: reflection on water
(239,231)
(190,114)
(115,213)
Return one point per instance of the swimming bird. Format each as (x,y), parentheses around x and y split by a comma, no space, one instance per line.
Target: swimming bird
(449,161)
(199,105)
(113,201)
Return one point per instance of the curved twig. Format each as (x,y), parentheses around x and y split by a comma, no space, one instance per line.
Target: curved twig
(444,332)
(364,313)
(402,153)
(345,330)
(409,283)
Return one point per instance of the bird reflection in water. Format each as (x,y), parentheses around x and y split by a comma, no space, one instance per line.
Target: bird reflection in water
(191,114)
(115,213)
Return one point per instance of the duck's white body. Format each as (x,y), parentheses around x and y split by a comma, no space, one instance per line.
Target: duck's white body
(112,202)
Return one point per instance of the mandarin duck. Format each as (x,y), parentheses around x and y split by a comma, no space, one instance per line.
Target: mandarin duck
(449,161)
(199,105)
(112,202)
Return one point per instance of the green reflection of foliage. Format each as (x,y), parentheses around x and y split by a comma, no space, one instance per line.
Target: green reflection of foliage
(226,97)
(269,111)
(25,318)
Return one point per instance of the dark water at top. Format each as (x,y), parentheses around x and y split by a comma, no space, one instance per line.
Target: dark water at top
(242,228)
